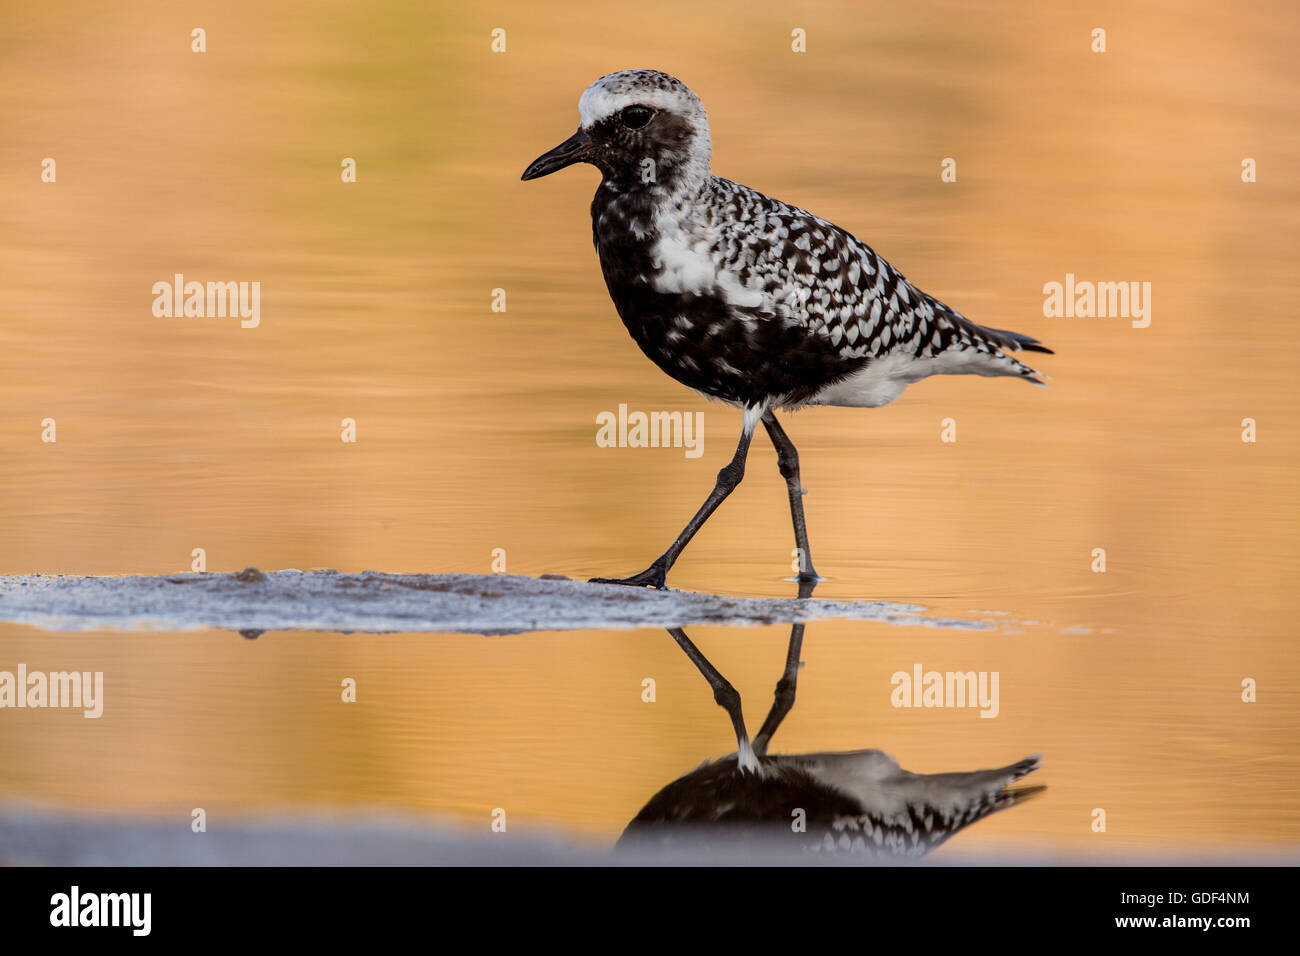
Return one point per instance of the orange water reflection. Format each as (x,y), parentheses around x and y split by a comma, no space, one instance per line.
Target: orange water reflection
(477,428)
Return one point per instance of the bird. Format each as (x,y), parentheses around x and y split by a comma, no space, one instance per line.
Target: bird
(745,298)
(856,804)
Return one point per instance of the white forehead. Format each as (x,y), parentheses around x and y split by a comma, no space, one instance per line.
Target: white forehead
(612,93)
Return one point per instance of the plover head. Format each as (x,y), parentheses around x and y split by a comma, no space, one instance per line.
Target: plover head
(641,129)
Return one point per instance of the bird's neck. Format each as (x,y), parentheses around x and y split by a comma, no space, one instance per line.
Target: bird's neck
(640,212)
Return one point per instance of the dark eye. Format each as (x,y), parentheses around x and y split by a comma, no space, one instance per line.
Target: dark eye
(635,117)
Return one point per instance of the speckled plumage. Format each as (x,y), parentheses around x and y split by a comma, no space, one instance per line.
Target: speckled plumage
(857,803)
(746,298)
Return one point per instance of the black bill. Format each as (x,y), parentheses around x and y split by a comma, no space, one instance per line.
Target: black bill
(572,150)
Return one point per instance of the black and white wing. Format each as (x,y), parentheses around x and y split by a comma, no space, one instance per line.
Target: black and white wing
(796,267)
(909,814)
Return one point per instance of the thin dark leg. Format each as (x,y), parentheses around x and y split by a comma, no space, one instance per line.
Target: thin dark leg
(729,477)
(728,697)
(787,459)
(785,688)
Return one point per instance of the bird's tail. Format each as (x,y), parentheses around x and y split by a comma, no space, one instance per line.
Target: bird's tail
(1016,342)
(980,792)
(1006,341)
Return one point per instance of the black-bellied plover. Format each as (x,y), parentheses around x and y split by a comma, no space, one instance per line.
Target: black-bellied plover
(859,802)
(745,298)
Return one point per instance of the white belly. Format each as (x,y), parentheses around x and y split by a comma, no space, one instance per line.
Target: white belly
(884,379)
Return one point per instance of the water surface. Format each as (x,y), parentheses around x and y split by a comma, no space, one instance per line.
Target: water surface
(477,428)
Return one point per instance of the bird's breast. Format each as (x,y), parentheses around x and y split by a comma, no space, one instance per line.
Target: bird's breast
(695,318)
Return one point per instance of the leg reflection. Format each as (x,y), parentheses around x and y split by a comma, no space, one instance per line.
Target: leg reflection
(859,802)
(727,697)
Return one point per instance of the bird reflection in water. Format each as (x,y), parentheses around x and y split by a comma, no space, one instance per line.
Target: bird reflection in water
(855,804)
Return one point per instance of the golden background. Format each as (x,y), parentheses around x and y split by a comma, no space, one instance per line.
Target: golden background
(477,428)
